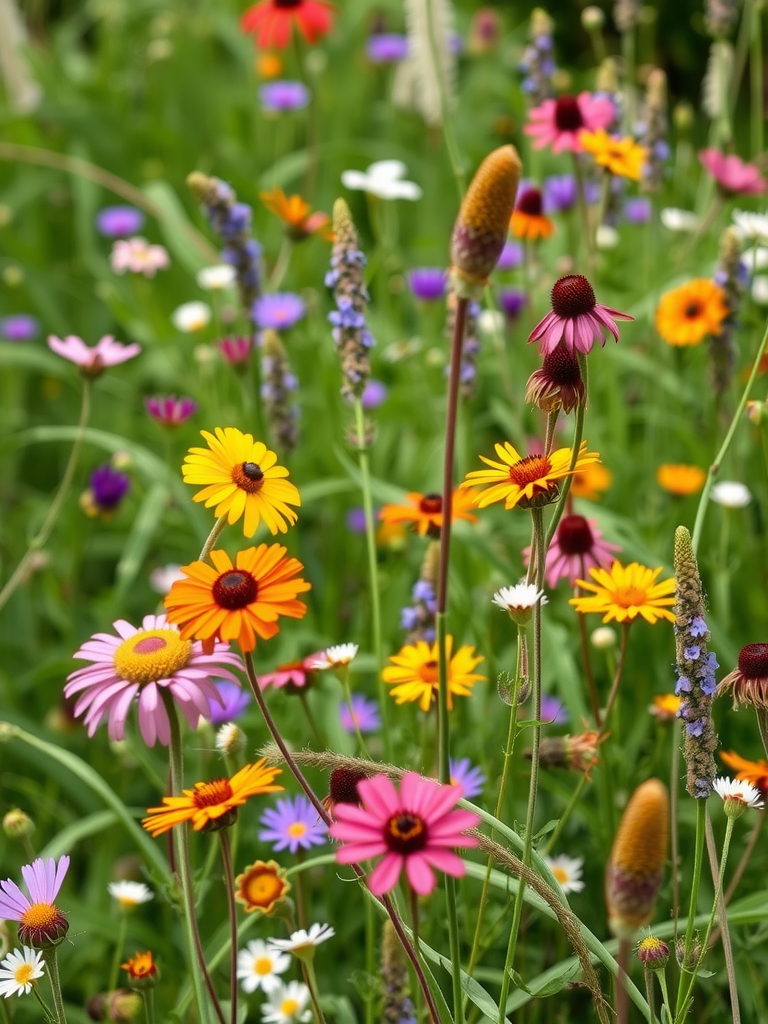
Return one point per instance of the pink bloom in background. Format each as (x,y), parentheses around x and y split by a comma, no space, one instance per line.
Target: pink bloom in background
(557,123)
(413,829)
(41,923)
(733,175)
(576,548)
(576,318)
(299,674)
(138,256)
(170,411)
(235,350)
(92,361)
(139,663)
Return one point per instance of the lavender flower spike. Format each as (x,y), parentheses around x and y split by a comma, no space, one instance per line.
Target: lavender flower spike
(353,339)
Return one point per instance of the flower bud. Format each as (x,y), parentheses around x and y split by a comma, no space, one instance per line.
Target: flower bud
(690,962)
(230,740)
(652,953)
(17,824)
(592,18)
(119,1006)
(604,638)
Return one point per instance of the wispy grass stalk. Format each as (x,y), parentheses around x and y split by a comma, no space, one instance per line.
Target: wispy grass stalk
(52,970)
(229,884)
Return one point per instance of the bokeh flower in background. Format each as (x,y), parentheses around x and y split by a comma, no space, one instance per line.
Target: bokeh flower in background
(119,221)
(138,256)
(278,311)
(108,487)
(293,825)
(428,283)
(272,21)
(384,179)
(362,716)
(558,123)
(283,95)
(686,315)
(92,361)
(170,411)
(733,176)
(19,327)
(191,317)
(386,47)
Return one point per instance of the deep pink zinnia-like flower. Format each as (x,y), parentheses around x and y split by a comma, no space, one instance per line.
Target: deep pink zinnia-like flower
(92,361)
(557,123)
(139,663)
(576,548)
(733,176)
(296,674)
(414,828)
(41,923)
(235,350)
(576,318)
(170,411)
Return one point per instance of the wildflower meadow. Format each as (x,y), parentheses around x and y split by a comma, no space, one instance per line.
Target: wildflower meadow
(383,562)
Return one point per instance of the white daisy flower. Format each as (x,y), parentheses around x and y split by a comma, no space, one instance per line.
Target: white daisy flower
(130,894)
(216,279)
(519,601)
(606,237)
(19,970)
(191,316)
(333,657)
(303,939)
(737,795)
(675,219)
(731,494)
(383,179)
(258,966)
(567,870)
(759,290)
(286,1004)
(751,225)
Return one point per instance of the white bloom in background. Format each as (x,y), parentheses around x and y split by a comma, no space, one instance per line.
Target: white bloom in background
(230,739)
(130,894)
(731,494)
(286,1004)
(491,321)
(303,939)
(384,179)
(191,316)
(606,237)
(603,638)
(567,870)
(737,795)
(333,657)
(675,219)
(138,256)
(216,279)
(760,289)
(19,970)
(518,598)
(258,966)
(162,579)
(755,258)
(751,225)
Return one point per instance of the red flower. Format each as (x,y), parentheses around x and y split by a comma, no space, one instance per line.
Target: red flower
(271,21)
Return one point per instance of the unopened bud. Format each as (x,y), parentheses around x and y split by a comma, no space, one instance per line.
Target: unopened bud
(691,961)
(653,954)
(17,824)
(119,1006)
(592,18)
(230,740)
(604,638)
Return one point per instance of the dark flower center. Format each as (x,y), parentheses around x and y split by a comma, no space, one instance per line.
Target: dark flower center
(248,476)
(287,3)
(574,536)
(753,661)
(562,368)
(209,794)
(692,311)
(235,589)
(530,202)
(431,503)
(343,786)
(406,833)
(532,467)
(572,296)
(568,114)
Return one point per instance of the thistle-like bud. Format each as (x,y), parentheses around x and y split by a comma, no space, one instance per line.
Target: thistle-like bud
(636,865)
(691,962)
(481,228)
(17,824)
(353,340)
(652,953)
(575,753)
(398,1007)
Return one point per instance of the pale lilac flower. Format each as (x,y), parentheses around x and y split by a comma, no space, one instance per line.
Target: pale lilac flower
(576,319)
(427,283)
(512,256)
(374,393)
(553,711)
(19,327)
(119,221)
(560,193)
(170,411)
(108,487)
(92,361)
(386,47)
(463,773)
(512,302)
(41,923)
(138,256)
(277,97)
(278,311)
(292,824)
(637,209)
(363,715)
(234,702)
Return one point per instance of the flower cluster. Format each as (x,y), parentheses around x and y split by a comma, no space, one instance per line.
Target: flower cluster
(732,275)
(278,386)
(537,64)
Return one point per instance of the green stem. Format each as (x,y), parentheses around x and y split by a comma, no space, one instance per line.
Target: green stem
(622,993)
(148,996)
(48,1013)
(578,433)
(756,78)
(565,816)
(665,994)
(628,47)
(674,792)
(52,970)
(701,819)
(723,929)
(213,536)
(283,260)
(114,971)
(229,881)
(308,969)
(344,677)
(584,211)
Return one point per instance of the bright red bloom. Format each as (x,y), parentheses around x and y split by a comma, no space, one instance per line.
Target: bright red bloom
(271,21)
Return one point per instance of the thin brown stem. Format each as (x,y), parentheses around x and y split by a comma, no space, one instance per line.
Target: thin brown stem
(229,880)
(723,929)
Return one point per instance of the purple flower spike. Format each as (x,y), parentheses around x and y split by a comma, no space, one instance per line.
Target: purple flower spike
(386,48)
(119,221)
(278,311)
(364,714)
(170,411)
(512,302)
(235,701)
(427,283)
(463,773)
(19,327)
(292,824)
(276,97)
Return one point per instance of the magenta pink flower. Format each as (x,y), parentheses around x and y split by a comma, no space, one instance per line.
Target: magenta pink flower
(576,318)
(733,176)
(235,350)
(41,923)
(557,123)
(576,548)
(296,674)
(139,663)
(413,829)
(170,411)
(92,361)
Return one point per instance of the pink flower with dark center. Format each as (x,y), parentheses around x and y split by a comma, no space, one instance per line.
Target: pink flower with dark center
(41,923)
(295,675)
(576,548)
(413,829)
(139,664)
(576,318)
(557,123)
(734,177)
(170,411)
(92,361)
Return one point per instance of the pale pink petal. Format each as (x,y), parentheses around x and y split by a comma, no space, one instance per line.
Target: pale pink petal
(379,796)
(454,823)
(360,851)
(445,860)
(386,873)
(416,793)
(420,874)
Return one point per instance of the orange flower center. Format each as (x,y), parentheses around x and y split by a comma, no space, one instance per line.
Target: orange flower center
(627,597)
(406,833)
(248,476)
(39,915)
(431,503)
(428,672)
(209,794)
(262,888)
(297,829)
(235,589)
(529,469)
(560,874)
(262,965)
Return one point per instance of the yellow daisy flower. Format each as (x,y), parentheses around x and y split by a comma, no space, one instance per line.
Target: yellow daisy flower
(528,481)
(622,157)
(415,676)
(626,592)
(242,478)
(686,315)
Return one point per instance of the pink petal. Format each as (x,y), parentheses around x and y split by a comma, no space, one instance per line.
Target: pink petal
(420,874)
(445,860)
(360,851)
(386,873)
(379,796)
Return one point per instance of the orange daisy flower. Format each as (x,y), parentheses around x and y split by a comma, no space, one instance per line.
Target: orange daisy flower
(141,968)
(297,215)
(528,219)
(755,772)
(240,601)
(680,479)
(590,481)
(426,511)
(271,21)
(622,157)
(261,887)
(686,315)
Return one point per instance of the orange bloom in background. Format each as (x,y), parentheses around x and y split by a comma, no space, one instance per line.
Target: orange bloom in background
(622,157)
(677,478)
(261,887)
(590,481)
(755,772)
(140,966)
(271,21)
(240,601)
(686,315)
(268,65)
(528,219)
(665,707)
(297,215)
(426,511)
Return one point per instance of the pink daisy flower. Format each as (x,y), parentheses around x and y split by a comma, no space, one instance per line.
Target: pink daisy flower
(92,361)
(576,318)
(298,674)
(170,411)
(557,123)
(576,548)
(41,923)
(733,176)
(138,663)
(412,829)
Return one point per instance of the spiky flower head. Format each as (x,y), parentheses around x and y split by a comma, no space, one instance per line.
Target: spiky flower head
(652,953)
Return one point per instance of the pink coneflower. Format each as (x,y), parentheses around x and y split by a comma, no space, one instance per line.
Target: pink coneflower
(138,663)
(41,923)
(296,675)
(170,411)
(733,176)
(576,548)
(413,829)
(557,123)
(577,318)
(92,361)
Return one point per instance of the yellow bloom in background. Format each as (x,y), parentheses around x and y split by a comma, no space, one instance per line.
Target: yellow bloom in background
(261,887)
(241,478)
(626,592)
(527,481)
(622,157)
(590,481)
(209,802)
(665,706)
(686,315)
(677,478)
(414,672)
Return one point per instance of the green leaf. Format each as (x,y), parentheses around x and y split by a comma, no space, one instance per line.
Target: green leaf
(67,838)
(146,524)
(189,247)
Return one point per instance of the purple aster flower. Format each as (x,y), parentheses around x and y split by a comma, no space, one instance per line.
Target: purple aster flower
(386,47)
(637,210)
(108,487)
(119,221)
(170,411)
(356,520)
(19,327)
(235,700)
(292,824)
(279,96)
(512,301)
(427,283)
(374,393)
(279,311)
(41,923)
(553,711)
(423,591)
(364,714)
(463,773)
(560,193)
(512,256)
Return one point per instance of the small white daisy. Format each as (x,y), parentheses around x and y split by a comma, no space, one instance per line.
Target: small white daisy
(759,290)
(303,939)
(130,894)
(567,870)
(519,597)
(333,657)
(731,494)
(491,322)
(606,237)
(216,279)
(286,1004)
(230,739)
(19,970)
(737,795)
(258,966)
(191,316)
(751,225)
(675,219)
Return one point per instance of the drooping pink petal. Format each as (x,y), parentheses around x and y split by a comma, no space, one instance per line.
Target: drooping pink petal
(420,874)
(358,852)
(386,873)
(379,796)
(445,860)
